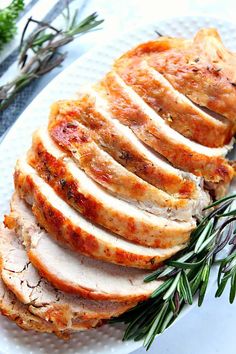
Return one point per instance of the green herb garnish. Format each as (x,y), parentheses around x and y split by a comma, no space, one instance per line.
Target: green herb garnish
(40,52)
(8,17)
(186,275)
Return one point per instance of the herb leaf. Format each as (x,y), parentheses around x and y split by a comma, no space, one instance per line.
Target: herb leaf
(40,52)
(187,275)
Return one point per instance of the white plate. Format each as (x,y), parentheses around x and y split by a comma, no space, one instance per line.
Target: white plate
(86,69)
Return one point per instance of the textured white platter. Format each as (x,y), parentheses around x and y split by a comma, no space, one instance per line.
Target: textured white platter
(85,70)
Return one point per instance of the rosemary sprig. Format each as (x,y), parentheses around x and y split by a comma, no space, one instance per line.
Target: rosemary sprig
(186,275)
(40,52)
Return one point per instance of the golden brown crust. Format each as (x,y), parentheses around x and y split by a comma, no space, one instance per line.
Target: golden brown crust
(207,79)
(102,168)
(64,231)
(212,168)
(121,149)
(56,174)
(179,115)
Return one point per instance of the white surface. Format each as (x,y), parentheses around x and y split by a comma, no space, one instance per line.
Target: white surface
(104,340)
(209,329)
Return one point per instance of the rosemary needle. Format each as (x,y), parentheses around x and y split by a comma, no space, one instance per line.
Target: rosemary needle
(40,52)
(187,275)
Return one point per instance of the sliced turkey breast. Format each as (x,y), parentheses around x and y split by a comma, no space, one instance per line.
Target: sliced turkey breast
(66,312)
(19,313)
(210,45)
(131,110)
(123,145)
(203,69)
(76,273)
(86,196)
(203,82)
(101,167)
(71,229)
(175,108)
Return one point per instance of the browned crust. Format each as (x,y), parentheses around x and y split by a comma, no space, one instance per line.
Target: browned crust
(77,141)
(214,168)
(63,230)
(211,87)
(120,148)
(180,116)
(55,173)
(191,72)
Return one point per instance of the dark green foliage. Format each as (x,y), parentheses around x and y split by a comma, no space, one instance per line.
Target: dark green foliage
(187,274)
